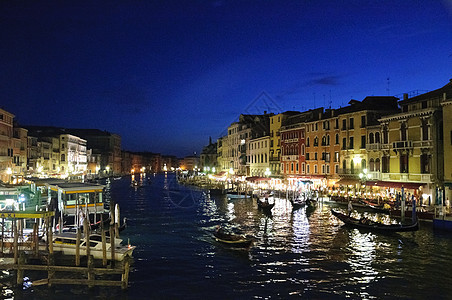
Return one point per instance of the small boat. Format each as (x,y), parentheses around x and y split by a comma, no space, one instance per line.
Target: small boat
(237,195)
(231,240)
(265,205)
(66,242)
(376,208)
(372,225)
(297,203)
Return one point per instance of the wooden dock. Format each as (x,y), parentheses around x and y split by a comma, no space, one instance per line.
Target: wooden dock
(63,269)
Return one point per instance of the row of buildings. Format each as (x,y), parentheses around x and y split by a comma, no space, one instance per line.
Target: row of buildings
(380,141)
(42,151)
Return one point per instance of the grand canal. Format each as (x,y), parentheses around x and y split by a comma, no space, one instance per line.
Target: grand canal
(296,254)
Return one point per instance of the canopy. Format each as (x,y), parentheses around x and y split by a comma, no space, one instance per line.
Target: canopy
(257,178)
(395,184)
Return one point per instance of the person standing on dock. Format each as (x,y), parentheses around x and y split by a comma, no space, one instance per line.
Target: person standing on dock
(349,207)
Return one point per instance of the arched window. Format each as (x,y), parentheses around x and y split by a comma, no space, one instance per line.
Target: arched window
(377,137)
(302,150)
(371,165)
(63,157)
(337,139)
(328,140)
(377,165)
(344,166)
(371,138)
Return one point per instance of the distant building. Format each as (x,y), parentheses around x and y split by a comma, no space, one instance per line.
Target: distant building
(209,157)
(6,147)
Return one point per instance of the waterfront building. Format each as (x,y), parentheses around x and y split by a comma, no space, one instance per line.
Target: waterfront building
(446,104)
(208,158)
(105,144)
(276,122)
(222,154)
(6,149)
(190,162)
(319,147)
(32,155)
(258,156)
(239,134)
(73,159)
(19,148)
(293,146)
(413,145)
(353,121)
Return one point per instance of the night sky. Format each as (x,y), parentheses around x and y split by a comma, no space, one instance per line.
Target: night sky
(166,75)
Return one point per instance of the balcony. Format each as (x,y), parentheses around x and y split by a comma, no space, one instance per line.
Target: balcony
(407,177)
(289,157)
(423,144)
(373,147)
(402,145)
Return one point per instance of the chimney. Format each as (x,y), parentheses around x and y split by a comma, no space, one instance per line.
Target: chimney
(405,96)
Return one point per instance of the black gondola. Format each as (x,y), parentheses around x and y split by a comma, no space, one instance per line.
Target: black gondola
(231,240)
(376,208)
(265,205)
(377,226)
(297,203)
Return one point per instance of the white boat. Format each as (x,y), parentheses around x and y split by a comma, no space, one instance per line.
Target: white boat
(65,242)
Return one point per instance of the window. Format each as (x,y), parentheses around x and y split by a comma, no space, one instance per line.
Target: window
(315,155)
(316,141)
(403,131)
(425,163)
(307,169)
(296,167)
(363,141)
(344,124)
(371,138)
(344,143)
(363,121)
(351,146)
(336,124)
(352,123)
(63,157)
(307,142)
(424,104)
(303,168)
(377,137)
(336,169)
(424,125)
(337,138)
(385,135)
(371,165)
(336,156)
(282,167)
(404,163)
(323,169)
(377,165)
(328,169)
(315,169)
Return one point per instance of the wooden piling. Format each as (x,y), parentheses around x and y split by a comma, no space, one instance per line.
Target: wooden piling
(104,248)
(16,252)
(77,248)
(125,274)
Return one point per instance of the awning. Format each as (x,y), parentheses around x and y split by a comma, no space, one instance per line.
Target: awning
(347,181)
(257,178)
(396,184)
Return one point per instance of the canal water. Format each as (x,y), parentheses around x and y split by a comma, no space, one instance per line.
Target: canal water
(305,253)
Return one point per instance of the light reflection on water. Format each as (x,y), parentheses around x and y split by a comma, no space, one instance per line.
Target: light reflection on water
(303,253)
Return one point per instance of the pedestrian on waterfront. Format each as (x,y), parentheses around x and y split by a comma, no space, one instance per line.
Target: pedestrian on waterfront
(349,207)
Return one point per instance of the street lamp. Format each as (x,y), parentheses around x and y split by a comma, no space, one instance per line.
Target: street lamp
(267,172)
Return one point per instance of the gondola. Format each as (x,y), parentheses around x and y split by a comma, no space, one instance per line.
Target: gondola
(377,226)
(231,240)
(297,203)
(265,205)
(376,208)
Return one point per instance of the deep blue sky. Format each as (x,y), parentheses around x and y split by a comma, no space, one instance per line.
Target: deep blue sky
(166,75)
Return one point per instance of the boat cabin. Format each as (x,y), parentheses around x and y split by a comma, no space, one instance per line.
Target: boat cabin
(70,198)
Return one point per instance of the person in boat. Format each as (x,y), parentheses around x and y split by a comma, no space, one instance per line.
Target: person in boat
(220,231)
(349,207)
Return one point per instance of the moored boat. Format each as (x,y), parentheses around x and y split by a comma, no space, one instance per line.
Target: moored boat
(297,203)
(372,225)
(231,240)
(66,243)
